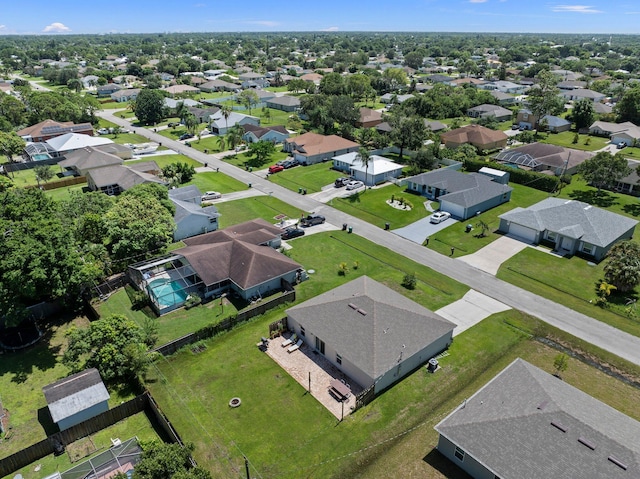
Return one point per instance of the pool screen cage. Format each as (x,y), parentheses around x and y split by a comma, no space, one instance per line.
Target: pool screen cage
(122,457)
(517,158)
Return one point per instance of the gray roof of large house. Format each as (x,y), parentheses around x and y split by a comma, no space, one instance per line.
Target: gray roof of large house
(582,93)
(370,324)
(555,121)
(573,219)
(633,178)
(123,176)
(527,424)
(285,100)
(75,393)
(186,193)
(185,208)
(462,189)
(491,110)
(219,121)
(173,103)
(434,125)
(260,131)
(535,154)
(88,158)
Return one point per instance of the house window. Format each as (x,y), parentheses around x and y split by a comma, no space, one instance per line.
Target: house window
(338,358)
(459,453)
(213,220)
(302,332)
(587,248)
(551,236)
(320,345)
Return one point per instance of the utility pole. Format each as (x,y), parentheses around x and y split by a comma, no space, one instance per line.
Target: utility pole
(246,467)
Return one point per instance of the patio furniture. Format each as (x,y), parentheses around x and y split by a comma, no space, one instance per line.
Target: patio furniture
(339,389)
(295,346)
(290,341)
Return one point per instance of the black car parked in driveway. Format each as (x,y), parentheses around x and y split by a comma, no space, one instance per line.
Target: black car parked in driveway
(312,220)
(340,182)
(291,233)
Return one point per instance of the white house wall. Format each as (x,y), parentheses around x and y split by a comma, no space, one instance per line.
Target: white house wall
(193,225)
(468,463)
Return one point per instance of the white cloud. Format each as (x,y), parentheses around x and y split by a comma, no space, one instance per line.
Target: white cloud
(56,27)
(330,29)
(575,9)
(477,1)
(264,23)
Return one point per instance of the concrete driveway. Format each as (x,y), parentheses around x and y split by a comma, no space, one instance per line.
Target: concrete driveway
(422,229)
(489,258)
(472,308)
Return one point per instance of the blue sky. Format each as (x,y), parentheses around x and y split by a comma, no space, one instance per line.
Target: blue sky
(144,16)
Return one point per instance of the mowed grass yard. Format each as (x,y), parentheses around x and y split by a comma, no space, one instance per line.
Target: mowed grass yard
(312,177)
(266,207)
(285,432)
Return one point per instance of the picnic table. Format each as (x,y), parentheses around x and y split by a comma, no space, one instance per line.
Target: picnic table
(339,389)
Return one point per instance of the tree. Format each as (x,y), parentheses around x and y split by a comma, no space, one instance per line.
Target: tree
(225,111)
(149,106)
(11,145)
(604,169)
(178,173)
(333,84)
(623,265)
(364,157)
(75,84)
(407,132)
(628,107)
(583,113)
(248,98)
(162,460)
(43,173)
(234,136)
(560,363)
(191,122)
(113,345)
(259,153)
(543,98)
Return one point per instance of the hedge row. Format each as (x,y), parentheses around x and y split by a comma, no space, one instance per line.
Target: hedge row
(539,181)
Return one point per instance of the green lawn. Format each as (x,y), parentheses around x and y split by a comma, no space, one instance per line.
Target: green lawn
(565,139)
(64,193)
(212,181)
(266,207)
(371,206)
(114,105)
(467,243)
(241,159)
(312,177)
(210,144)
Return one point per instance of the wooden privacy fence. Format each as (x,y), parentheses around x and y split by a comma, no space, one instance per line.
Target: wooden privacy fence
(142,403)
(225,325)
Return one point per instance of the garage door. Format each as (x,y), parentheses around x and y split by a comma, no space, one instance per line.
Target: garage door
(522,232)
(456,211)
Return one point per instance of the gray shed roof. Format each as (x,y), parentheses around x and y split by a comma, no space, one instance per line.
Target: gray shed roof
(75,393)
(185,208)
(527,424)
(370,324)
(573,219)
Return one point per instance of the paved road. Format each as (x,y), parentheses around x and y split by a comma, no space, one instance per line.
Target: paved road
(577,324)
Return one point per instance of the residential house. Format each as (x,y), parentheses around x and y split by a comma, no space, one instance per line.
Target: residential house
(240,259)
(503,98)
(250,76)
(630,184)
(76,398)
(629,136)
(275,134)
(107,90)
(219,85)
(191,218)
(527,424)
(264,95)
(310,148)
(602,108)
(487,110)
(315,78)
(580,93)
(255,84)
(221,125)
(505,86)
(115,179)
(570,227)
(526,119)
(47,129)
(89,81)
(476,135)
(467,81)
(391,98)
(605,128)
(68,142)
(173,103)
(371,333)
(284,103)
(379,170)
(571,85)
(437,78)
(368,118)
(181,90)
(434,125)
(203,115)
(554,124)
(544,157)
(84,159)
(125,95)
(461,194)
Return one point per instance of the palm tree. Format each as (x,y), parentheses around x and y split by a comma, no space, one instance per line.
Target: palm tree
(181,111)
(234,137)
(222,142)
(364,157)
(191,122)
(225,111)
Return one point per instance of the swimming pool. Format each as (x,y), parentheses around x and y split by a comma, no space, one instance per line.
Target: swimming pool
(167,293)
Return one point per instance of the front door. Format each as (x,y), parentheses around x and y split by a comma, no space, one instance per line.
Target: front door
(320,345)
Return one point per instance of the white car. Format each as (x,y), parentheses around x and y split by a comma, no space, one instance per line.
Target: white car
(354,185)
(439,217)
(211,195)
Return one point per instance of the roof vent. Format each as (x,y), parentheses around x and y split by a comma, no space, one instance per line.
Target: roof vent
(617,462)
(362,312)
(542,405)
(353,306)
(560,426)
(587,443)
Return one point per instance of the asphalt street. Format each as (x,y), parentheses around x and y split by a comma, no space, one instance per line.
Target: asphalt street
(584,327)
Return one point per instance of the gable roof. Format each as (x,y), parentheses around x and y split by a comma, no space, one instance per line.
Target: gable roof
(434,125)
(610,127)
(488,109)
(219,121)
(75,393)
(186,193)
(525,423)
(75,141)
(186,209)
(238,253)
(124,176)
(129,92)
(260,131)
(370,324)
(461,188)
(311,144)
(284,100)
(377,164)
(54,128)
(573,219)
(89,157)
(477,135)
(176,89)
(368,115)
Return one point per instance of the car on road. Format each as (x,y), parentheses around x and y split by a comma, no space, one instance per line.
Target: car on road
(211,195)
(439,217)
(340,182)
(311,220)
(275,168)
(354,185)
(185,136)
(291,233)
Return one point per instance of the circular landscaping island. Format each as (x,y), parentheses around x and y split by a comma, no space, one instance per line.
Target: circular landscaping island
(400,205)
(235,402)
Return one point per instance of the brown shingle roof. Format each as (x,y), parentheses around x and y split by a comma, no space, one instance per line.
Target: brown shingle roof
(476,135)
(55,128)
(311,144)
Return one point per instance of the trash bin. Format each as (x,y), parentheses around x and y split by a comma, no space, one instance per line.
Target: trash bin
(344,226)
(250,169)
(304,192)
(386,226)
(249,185)
(350,229)
(468,228)
(206,164)
(432,365)
(300,190)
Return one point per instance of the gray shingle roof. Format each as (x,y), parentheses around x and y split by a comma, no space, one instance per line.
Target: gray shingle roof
(75,393)
(186,193)
(573,219)
(285,100)
(507,426)
(123,176)
(372,341)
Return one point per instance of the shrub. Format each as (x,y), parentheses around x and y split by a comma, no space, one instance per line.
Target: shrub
(343,269)
(409,281)
(192,300)
(139,300)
